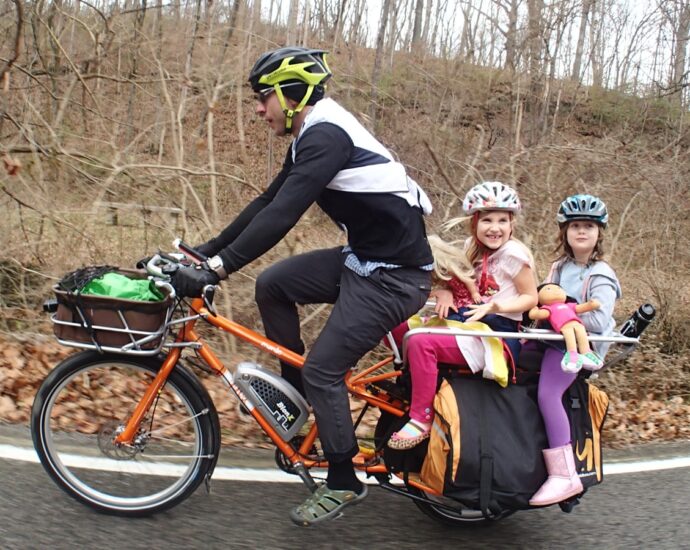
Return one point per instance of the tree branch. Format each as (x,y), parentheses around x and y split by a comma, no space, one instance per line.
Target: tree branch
(5,72)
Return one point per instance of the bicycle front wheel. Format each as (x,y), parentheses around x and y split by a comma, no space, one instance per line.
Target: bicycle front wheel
(86,401)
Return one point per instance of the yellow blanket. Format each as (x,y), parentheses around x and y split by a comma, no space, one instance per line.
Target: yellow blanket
(495,364)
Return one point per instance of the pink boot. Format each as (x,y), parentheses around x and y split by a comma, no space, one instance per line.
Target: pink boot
(563,481)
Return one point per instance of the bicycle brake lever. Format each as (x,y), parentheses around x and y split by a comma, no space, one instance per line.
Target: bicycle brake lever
(189,251)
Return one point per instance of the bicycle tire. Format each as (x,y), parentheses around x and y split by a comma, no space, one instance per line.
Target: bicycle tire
(88,397)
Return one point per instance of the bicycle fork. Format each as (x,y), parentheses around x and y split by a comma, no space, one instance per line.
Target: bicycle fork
(126,436)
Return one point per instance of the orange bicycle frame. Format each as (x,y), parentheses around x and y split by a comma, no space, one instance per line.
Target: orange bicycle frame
(356,383)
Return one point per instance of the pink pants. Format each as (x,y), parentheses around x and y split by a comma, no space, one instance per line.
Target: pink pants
(424,353)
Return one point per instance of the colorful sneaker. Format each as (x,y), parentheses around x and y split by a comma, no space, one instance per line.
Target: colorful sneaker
(572,362)
(591,361)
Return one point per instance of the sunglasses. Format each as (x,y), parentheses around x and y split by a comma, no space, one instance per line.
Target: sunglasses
(262,95)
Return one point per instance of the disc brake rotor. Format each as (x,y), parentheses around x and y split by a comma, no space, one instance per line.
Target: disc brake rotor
(118,451)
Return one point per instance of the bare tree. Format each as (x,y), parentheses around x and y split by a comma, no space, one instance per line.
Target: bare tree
(337,26)
(535,44)
(417,27)
(291,33)
(596,42)
(677,13)
(139,18)
(582,32)
(511,33)
(378,59)
(5,71)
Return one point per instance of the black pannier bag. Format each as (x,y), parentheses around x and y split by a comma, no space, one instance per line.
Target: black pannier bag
(586,406)
(486,442)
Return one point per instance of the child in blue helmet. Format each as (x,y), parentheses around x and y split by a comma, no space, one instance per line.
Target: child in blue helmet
(582,273)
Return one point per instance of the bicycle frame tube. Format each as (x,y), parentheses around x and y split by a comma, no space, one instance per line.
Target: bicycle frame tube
(356,384)
(254,338)
(187,334)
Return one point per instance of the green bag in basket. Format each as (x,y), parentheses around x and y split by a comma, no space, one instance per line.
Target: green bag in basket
(115,285)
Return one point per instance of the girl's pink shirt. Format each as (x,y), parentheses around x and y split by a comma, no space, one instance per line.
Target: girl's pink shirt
(504,265)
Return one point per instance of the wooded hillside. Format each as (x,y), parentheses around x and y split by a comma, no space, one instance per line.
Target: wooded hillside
(124,124)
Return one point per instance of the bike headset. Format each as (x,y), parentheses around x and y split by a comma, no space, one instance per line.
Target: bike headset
(296,72)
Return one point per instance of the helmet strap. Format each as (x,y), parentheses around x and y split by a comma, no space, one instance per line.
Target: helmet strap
(290,113)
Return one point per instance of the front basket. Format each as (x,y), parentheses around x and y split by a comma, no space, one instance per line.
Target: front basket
(112,324)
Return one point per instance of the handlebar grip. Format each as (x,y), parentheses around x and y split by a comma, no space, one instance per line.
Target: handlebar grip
(152,267)
(167,286)
(189,251)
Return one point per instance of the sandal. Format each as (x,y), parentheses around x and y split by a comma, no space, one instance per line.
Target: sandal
(325,504)
(402,441)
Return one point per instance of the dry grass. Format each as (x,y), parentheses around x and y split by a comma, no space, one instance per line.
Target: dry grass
(452,124)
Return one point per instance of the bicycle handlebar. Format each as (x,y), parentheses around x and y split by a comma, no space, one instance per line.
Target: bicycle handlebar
(189,251)
(155,268)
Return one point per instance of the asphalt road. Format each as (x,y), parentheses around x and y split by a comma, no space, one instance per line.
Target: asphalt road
(643,510)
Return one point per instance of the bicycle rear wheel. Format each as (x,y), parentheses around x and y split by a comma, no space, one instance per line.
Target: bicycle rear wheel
(86,401)
(452,512)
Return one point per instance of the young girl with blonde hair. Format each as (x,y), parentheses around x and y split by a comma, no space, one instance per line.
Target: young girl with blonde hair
(504,274)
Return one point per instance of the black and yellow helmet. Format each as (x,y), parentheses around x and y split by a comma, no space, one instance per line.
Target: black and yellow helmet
(296,72)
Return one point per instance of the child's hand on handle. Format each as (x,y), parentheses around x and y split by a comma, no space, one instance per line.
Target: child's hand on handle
(444,302)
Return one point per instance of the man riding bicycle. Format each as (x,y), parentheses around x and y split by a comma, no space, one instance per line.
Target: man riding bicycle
(378,280)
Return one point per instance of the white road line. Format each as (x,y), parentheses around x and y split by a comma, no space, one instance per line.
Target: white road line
(25,454)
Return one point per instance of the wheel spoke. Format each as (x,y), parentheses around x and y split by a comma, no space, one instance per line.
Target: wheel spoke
(82,406)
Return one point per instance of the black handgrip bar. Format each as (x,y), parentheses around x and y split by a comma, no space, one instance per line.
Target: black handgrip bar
(190,251)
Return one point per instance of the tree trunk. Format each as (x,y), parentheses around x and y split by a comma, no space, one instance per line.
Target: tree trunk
(291,34)
(577,62)
(679,57)
(595,45)
(511,37)
(136,41)
(535,24)
(338,23)
(378,59)
(417,27)
(427,24)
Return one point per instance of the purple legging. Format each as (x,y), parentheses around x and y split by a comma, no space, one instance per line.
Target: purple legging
(552,385)
(424,353)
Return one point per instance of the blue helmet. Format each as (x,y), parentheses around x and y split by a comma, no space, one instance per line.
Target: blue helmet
(583,207)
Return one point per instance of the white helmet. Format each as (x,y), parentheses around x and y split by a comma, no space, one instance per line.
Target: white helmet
(491,195)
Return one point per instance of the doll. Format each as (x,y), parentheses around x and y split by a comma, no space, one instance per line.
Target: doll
(554,307)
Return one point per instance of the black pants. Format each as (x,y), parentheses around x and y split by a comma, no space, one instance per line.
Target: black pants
(365,309)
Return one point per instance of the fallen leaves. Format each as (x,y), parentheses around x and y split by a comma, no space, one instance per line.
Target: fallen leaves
(645,420)
(24,363)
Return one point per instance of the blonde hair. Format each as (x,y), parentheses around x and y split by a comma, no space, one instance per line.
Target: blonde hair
(449,260)
(475,249)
